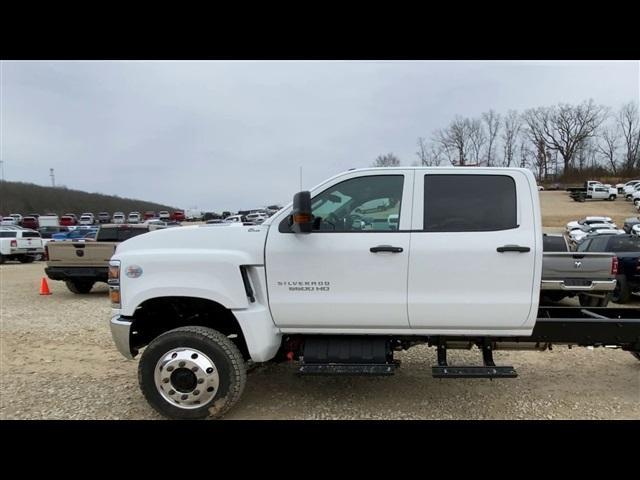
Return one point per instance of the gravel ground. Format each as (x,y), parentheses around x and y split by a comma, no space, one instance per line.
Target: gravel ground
(58,362)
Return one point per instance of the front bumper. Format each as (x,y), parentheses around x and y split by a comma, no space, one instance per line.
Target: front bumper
(592,286)
(121,333)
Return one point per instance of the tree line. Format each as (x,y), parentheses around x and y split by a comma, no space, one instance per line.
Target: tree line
(559,142)
(25,198)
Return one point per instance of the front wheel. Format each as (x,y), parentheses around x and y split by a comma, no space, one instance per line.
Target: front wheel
(612,197)
(192,373)
(81,287)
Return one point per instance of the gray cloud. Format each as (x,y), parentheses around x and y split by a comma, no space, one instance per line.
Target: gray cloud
(231,135)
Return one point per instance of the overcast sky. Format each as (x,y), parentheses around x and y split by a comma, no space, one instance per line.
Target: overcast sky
(233,135)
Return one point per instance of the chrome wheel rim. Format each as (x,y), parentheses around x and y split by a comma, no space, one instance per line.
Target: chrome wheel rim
(186,378)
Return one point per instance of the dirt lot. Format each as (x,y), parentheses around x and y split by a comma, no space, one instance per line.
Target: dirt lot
(558,209)
(58,362)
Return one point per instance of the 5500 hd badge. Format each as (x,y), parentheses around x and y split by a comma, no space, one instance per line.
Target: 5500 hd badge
(306,286)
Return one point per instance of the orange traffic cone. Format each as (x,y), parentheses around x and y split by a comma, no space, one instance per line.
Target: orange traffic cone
(44,287)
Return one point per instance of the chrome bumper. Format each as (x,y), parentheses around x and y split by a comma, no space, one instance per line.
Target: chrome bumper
(121,331)
(595,285)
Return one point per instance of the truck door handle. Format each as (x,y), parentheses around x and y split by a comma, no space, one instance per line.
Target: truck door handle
(513,248)
(385,248)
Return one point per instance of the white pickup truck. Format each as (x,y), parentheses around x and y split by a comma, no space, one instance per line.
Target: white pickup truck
(340,291)
(20,244)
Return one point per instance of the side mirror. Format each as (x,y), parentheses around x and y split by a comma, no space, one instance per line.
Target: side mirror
(301,218)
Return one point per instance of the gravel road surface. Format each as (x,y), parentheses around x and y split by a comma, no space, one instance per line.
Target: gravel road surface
(58,362)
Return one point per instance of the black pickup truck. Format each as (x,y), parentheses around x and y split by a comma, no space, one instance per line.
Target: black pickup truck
(627,250)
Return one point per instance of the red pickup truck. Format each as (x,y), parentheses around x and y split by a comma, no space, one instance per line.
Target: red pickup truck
(178,216)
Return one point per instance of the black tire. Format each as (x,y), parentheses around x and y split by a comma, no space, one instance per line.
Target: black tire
(612,197)
(2,260)
(588,301)
(222,351)
(551,298)
(80,287)
(26,259)
(622,292)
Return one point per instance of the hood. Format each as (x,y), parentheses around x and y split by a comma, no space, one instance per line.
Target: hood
(247,239)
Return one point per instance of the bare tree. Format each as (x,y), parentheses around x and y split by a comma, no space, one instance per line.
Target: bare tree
(430,154)
(388,160)
(510,134)
(628,121)
(455,140)
(423,151)
(608,146)
(477,139)
(492,120)
(564,127)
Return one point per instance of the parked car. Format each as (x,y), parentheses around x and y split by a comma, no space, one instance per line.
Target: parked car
(594,192)
(590,276)
(104,217)
(48,232)
(48,221)
(629,188)
(587,221)
(149,215)
(627,251)
(74,216)
(18,218)
(119,218)
(630,222)
(8,221)
(80,264)
(134,217)
(76,234)
(164,215)
(68,221)
(87,219)
(30,222)
(178,216)
(256,218)
(234,219)
(22,244)
(577,235)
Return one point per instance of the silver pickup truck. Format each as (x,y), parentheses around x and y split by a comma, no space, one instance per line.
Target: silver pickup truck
(591,276)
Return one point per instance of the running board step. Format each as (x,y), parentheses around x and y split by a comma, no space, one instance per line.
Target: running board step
(474,372)
(347,369)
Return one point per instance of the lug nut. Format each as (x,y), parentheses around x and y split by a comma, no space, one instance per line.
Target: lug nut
(194,369)
(169,369)
(181,364)
(171,392)
(196,392)
(209,370)
(201,380)
(184,397)
(194,356)
(165,380)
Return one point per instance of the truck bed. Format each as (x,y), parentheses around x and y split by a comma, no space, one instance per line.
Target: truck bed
(577,271)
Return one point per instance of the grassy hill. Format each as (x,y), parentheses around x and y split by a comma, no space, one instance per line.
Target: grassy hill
(24,198)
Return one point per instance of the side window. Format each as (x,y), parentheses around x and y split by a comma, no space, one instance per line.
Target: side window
(469,203)
(369,203)
(599,244)
(584,246)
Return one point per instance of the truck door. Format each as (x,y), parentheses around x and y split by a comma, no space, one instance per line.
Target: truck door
(351,271)
(476,251)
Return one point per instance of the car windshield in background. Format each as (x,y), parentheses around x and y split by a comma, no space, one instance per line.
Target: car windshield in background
(626,244)
(554,244)
(118,234)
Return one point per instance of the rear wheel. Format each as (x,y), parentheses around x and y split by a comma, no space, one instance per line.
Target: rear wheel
(191,373)
(612,197)
(26,259)
(77,286)
(622,292)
